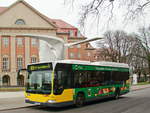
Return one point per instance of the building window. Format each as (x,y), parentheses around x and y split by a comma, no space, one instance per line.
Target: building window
(71,33)
(79,55)
(78,46)
(87,46)
(79,34)
(5,41)
(19,62)
(5,64)
(33,42)
(88,54)
(71,55)
(20,22)
(19,41)
(71,47)
(33,59)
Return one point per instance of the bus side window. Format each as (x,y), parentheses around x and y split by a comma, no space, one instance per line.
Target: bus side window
(106,77)
(76,79)
(79,79)
(117,77)
(84,78)
(99,78)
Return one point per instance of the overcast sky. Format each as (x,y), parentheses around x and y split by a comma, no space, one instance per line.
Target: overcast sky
(58,10)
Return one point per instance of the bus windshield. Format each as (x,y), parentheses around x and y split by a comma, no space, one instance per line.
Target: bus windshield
(39,82)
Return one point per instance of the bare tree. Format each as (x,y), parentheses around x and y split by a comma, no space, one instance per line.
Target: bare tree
(118,46)
(143,51)
(133,49)
(139,66)
(140,53)
(131,9)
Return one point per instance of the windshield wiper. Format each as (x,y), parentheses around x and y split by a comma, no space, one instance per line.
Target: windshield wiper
(44,92)
(38,91)
(31,91)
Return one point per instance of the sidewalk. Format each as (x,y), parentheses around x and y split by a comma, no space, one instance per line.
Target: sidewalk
(14,100)
(138,87)
(11,94)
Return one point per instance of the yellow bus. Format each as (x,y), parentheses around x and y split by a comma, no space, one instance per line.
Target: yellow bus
(68,82)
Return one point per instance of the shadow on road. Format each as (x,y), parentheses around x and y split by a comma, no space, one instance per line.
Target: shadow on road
(66,108)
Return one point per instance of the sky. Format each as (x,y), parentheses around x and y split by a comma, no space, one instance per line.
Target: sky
(57,9)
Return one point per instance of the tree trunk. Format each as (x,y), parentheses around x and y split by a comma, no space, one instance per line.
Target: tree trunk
(139,76)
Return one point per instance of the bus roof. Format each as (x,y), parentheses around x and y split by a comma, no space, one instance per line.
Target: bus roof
(74,62)
(111,64)
(100,63)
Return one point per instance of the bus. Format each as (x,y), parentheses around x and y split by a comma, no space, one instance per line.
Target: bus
(68,82)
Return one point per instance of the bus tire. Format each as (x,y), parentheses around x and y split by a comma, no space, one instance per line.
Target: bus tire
(79,102)
(117,94)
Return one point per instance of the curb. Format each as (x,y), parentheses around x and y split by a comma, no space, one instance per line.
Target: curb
(14,108)
(139,88)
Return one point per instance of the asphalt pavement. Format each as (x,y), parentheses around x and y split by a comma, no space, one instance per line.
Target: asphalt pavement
(14,100)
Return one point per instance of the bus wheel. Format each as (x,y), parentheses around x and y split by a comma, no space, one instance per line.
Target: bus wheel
(117,93)
(79,100)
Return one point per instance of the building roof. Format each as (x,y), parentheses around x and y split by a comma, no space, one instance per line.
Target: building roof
(62,24)
(4,9)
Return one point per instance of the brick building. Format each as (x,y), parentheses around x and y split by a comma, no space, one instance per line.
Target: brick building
(17,51)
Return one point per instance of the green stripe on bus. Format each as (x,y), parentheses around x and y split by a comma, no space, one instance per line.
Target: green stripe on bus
(91,92)
(98,68)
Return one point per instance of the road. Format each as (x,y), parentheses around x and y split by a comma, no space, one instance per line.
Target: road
(134,102)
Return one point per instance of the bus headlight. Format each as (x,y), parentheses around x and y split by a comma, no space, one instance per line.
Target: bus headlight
(26,98)
(51,101)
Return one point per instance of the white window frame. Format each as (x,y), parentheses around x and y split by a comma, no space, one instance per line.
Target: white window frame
(71,33)
(79,34)
(88,54)
(72,55)
(78,46)
(20,22)
(20,62)
(5,41)
(33,59)
(19,41)
(34,42)
(5,63)
(79,55)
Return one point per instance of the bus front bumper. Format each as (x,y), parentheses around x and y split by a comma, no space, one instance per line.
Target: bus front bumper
(50,104)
